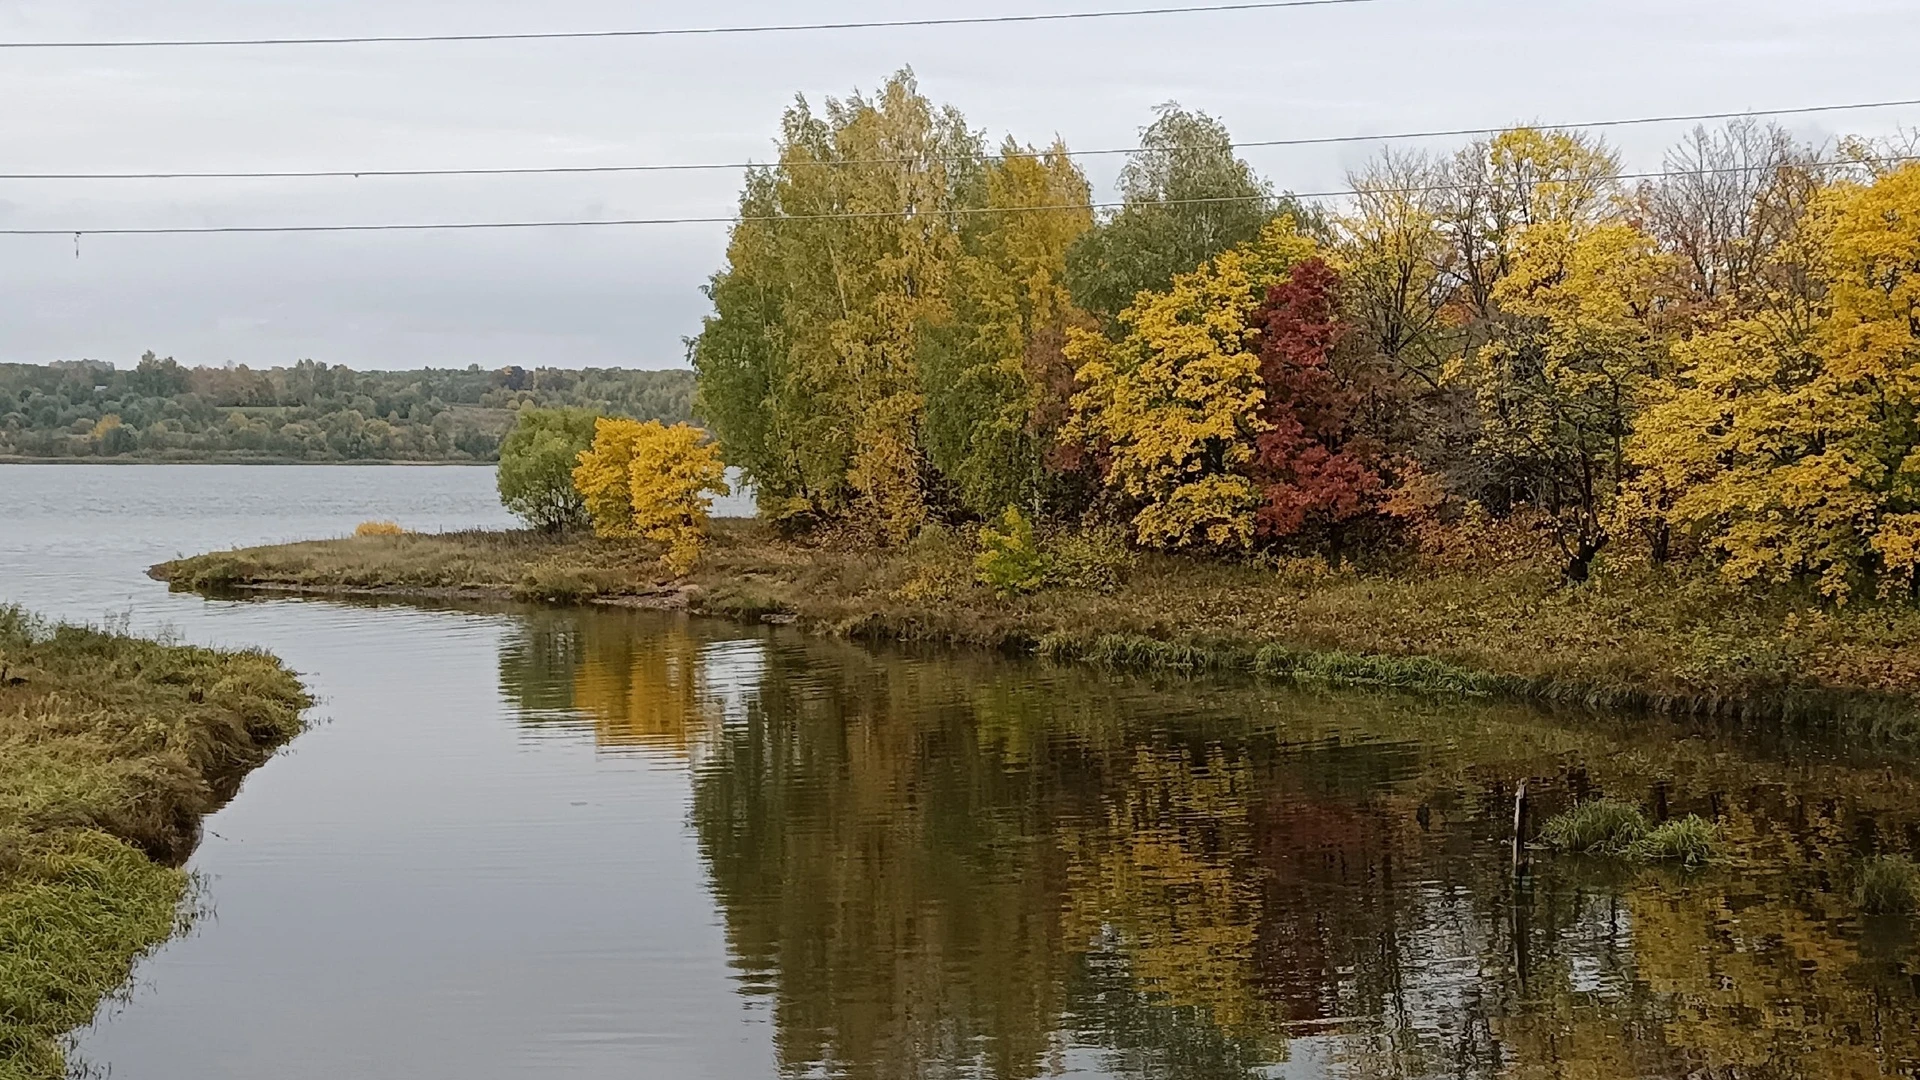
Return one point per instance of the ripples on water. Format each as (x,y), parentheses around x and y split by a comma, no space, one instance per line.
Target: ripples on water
(537,842)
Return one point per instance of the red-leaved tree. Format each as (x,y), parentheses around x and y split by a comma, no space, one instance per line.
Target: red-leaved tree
(1313,469)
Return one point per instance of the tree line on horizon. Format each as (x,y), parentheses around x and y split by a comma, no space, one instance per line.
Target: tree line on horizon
(1722,362)
(310,411)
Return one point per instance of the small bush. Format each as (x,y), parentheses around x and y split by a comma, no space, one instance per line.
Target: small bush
(1689,841)
(1010,559)
(378,528)
(1600,827)
(1094,560)
(1889,885)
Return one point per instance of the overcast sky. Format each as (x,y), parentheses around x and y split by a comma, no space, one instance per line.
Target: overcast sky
(629,296)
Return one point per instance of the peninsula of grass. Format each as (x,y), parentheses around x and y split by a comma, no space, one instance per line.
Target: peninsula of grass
(112,748)
(1644,638)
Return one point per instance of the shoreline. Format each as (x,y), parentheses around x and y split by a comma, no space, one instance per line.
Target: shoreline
(8,460)
(117,749)
(1654,646)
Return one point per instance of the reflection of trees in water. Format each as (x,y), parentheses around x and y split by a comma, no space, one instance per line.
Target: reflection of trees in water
(961,866)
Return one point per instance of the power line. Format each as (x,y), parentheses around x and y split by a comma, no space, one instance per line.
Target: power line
(564,35)
(452,226)
(549,170)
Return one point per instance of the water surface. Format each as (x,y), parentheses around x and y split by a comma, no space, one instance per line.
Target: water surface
(532,842)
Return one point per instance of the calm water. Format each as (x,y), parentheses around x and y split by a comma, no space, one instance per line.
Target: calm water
(542,843)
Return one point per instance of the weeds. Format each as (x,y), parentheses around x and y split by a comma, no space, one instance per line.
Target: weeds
(1599,827)
(1889,885)
(1690,841)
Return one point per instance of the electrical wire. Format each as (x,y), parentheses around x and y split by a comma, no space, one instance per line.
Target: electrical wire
(730,219)
(785,28)
(550,170)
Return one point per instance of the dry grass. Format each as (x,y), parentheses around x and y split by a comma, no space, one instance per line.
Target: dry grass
(111,750)
(379,528)
(1636,637)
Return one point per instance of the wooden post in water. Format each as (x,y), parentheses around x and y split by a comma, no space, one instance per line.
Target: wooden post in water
(1519,828)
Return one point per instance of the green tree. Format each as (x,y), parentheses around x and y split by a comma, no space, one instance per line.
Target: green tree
(997,378)
(1186,197)
(537,460)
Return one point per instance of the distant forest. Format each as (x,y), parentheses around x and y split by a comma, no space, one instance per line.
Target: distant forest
(163,411)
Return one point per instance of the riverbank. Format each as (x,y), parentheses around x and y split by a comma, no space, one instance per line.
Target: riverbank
(1642,638)
(112,748)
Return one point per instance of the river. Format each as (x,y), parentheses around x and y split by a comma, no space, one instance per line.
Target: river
(535,842)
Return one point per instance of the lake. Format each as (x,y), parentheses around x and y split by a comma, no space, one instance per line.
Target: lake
(554,843)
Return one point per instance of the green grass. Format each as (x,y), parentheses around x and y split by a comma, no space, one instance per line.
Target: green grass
(1675,640)
(1689,841)
(1889,885)
(1598,827)
(111,750)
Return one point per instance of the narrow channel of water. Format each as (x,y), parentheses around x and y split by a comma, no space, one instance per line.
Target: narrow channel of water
(531,842)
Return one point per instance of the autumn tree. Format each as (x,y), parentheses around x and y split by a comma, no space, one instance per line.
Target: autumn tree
(537,459)
(997,379)
(841,260)
(1311,467)
(1186,198)
(1790,440)
(1176,400)
(651,482)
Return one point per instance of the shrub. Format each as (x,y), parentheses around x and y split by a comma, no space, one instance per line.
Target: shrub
(378,528)
(537,460)
(1689,841)
(1600,827)
(1096,560)
(652,482)
(1010,559)
(1889,885)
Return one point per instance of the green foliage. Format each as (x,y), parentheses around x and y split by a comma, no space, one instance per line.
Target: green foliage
(162,410)
(1889,885)
(1597,827)
(1010,558)
(537,460)
(1690,841)
(1186,198)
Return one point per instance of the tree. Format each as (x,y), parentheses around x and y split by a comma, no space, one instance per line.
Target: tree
(1560,380)
(537,460)
(1186,198)
(1176,400)
(810,367)
(1310,466)
(1788,441)
(652,482)
(997,379)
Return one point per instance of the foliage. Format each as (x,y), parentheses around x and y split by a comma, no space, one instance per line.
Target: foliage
(162,410)
(651,482)
(1597,827)
(1185,199)
(1889,885)
(1788,440)
(1310,464)
(1175,403)
(378,528)
(1010,559)
(537,460)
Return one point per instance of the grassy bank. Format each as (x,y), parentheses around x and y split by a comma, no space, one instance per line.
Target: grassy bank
(111,750)
(1645,638)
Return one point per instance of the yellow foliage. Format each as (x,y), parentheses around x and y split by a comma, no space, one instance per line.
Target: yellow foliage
(652,482)
(1176,399)
(1788,440)
(378,528)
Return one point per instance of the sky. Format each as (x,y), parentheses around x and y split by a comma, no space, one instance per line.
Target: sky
(628,297)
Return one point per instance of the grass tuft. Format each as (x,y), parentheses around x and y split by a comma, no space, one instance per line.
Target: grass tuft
(379,528)
(1889,885)
(1690,841)
(1599,827)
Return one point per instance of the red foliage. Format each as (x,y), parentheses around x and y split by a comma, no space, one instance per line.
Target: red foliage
(1311,466)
